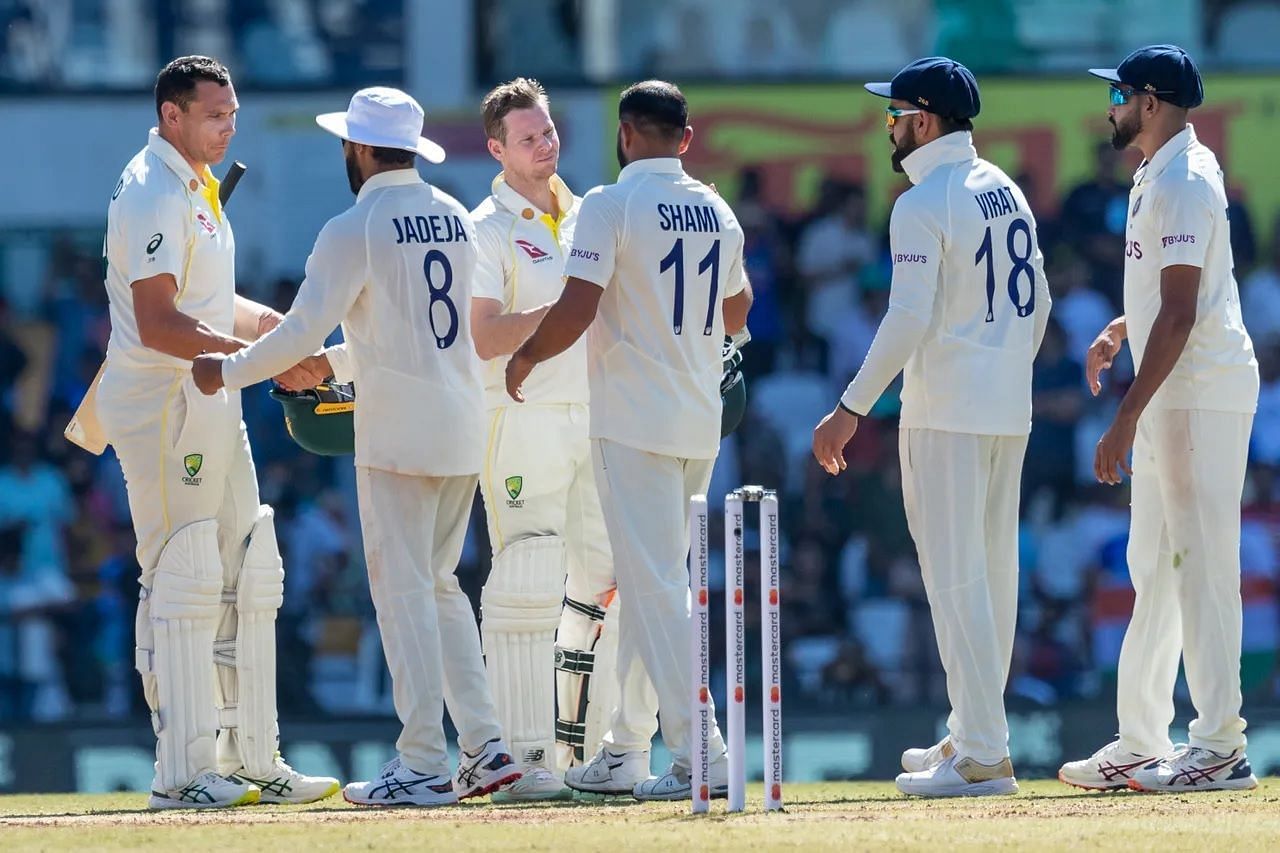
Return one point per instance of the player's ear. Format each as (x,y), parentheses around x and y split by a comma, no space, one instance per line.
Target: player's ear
(495,148)
(686,139)
(169,113)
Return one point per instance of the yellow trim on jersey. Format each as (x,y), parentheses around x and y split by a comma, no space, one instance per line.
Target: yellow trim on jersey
(210,193)
(491,503)
(515,265)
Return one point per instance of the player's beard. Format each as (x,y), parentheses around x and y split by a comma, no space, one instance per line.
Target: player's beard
(903,148)
(1124,132)
(622,157)
(354,178)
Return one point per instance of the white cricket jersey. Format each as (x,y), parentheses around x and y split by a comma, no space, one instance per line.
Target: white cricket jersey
(1178,215)
(395,270)
(163,219)
(668,251)
(522,254)
(968,303)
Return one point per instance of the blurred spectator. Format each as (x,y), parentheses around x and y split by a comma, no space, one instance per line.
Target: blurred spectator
(1093,220)
(1079,308)
(1057,398)
(1260,293)
(832,253)
(29,594)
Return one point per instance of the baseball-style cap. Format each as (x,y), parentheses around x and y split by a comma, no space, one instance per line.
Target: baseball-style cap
(385,118)
(1163,70)
(935,84)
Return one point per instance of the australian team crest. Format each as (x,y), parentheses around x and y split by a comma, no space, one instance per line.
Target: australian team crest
(192,462)
(514,485)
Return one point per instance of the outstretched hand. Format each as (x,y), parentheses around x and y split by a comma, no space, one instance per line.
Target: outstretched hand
(206,371)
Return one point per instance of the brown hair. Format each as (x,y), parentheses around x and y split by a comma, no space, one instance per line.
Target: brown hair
(518,94)
(177,81)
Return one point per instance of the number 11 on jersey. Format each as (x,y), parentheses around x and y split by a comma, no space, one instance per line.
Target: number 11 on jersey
(711,261)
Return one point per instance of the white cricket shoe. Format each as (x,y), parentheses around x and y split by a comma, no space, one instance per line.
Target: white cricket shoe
(398,785)
(206,791)
(960,777)
(486,771)
(674,784)
(287,786)
(915,760)
(1192,768)
(610,772)
(1108,769)
(538,784)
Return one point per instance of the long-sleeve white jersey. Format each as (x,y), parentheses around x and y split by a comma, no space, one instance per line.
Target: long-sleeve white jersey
(969,300)
(395,270)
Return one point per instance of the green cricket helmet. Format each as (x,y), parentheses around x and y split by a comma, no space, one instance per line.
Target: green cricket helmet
(321,419)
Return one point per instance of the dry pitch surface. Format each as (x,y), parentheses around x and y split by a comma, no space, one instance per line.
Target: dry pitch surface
(824,816)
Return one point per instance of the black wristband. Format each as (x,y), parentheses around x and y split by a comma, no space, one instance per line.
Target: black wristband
(841,404)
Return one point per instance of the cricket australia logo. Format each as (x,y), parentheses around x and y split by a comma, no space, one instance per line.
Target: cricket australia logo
(192,462)
(514,485)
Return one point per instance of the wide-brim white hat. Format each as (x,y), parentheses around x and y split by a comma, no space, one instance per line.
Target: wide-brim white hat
(385,118)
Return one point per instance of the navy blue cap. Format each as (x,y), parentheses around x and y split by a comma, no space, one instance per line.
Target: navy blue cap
(1164,70)
(935,84)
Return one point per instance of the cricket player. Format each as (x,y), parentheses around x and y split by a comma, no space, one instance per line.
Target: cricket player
(538,484)
(658,256)
(212,578)
(1186,418)
(968,306)
(396,269)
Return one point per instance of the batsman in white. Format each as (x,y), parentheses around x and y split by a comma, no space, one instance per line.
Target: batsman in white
(539,489)
(212,577)
(1187,418)
(396,269)
(658,256)
(968,307)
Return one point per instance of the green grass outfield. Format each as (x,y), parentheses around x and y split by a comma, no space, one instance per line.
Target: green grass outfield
(847,815)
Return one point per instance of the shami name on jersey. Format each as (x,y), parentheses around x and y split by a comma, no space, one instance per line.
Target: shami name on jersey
(688,217)
(435,228)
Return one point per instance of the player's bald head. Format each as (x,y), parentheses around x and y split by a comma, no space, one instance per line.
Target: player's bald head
(655,108)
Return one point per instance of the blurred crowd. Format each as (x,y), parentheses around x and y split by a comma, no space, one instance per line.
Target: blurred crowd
(856,623)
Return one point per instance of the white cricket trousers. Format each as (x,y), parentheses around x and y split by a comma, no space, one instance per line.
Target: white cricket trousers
(961,495)
(1184,561)
(414,529)
(645,498)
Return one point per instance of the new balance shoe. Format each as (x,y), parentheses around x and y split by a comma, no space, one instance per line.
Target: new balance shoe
(538,784)
(1108,769)
(674,784)
(1191,768)
(285,785)
(398,785)
(960,777)
(486,771)
(206,791)
(915,760)
(610,772)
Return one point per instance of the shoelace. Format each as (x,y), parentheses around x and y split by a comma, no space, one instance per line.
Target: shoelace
(389,769)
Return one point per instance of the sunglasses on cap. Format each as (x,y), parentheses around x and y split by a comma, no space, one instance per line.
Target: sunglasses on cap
(1120,96)
(892,114)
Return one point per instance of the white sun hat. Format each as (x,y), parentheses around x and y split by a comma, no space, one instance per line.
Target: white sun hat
(385,118)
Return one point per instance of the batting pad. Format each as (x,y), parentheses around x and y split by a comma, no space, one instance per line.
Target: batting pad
(520,610)
(177,617)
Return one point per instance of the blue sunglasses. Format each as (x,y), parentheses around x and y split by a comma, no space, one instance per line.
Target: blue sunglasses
(1120,96)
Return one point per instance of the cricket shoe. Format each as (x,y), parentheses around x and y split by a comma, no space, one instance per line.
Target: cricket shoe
(1108,769)
(538,784)
(915,760)
(1192,768)
(485,771)
(610,772)
(960,777)
(398,785)
(286,786)
(206,791)
(674,784)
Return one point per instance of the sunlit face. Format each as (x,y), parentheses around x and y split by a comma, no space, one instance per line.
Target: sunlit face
(902,135)
(531,150)
(1125,117)
(205,127)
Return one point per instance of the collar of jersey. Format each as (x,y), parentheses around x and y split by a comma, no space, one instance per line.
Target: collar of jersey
(506,196)
(952,148)
(651,165)
(208,187)
(1179,142)
(392,178)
